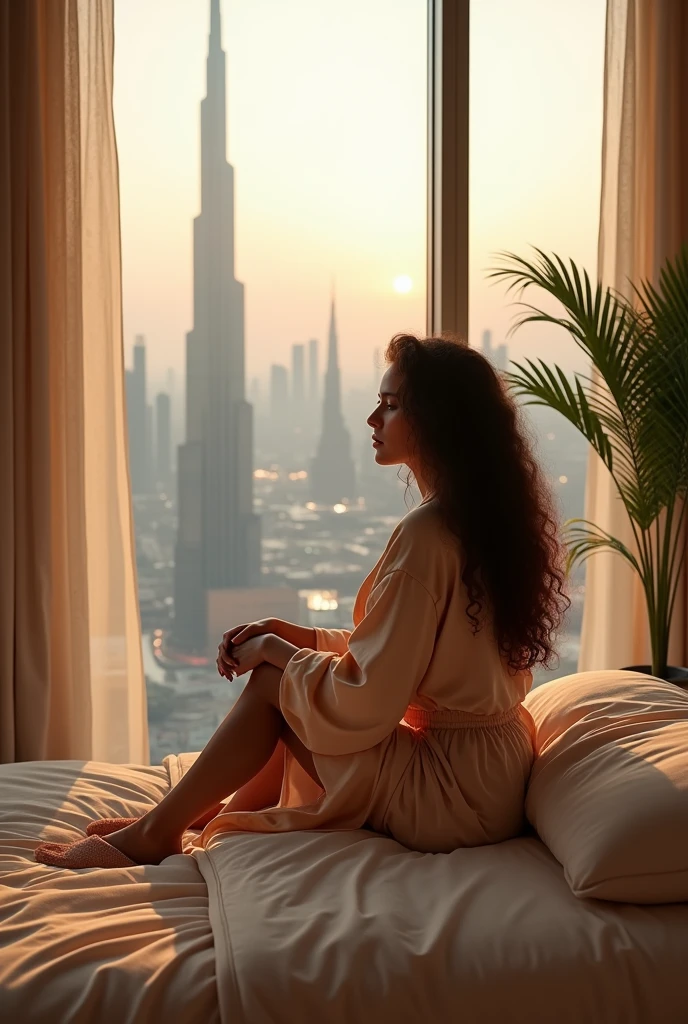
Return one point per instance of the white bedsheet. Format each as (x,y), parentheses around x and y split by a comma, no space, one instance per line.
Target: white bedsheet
(351,927)
(321,927)
(117,946)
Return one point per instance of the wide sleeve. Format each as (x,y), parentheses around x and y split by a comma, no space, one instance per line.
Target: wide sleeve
(335,640)
(343,704)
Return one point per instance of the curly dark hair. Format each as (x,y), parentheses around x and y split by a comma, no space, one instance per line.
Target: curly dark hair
(476,456)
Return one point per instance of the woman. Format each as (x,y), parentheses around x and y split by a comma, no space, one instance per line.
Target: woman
(413,723)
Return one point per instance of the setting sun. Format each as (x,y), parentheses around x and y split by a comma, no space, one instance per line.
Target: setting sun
(403,284)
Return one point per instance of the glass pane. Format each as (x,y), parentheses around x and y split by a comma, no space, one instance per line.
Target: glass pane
(231,271)
(536,87)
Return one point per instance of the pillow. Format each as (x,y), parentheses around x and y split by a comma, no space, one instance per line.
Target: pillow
(608,792)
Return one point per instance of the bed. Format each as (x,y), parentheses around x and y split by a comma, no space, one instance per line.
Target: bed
(322,926)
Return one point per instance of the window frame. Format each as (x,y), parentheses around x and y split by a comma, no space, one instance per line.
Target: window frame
(447,167)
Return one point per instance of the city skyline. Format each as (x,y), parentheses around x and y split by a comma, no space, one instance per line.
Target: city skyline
(332,180)
(298,186)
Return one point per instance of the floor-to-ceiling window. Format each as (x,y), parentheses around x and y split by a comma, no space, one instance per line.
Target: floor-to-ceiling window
(536,77)
(273,190)
(273,182)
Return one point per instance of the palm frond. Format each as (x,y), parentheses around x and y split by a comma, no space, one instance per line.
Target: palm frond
(632,407)
(584,537)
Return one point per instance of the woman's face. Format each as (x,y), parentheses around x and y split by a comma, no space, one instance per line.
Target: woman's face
(392,438)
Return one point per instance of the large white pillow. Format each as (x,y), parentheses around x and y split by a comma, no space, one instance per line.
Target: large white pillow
(608,793)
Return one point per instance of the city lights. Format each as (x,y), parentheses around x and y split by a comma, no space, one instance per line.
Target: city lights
(339,508)
(322,601)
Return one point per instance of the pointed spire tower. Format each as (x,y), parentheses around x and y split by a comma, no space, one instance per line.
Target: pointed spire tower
(333,477)
(218,539)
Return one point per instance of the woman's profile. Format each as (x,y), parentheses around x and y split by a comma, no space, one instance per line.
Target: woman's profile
(412,724)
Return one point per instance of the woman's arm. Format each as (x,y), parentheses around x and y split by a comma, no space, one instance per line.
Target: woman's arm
(340,705)
(288,633)
(300,636)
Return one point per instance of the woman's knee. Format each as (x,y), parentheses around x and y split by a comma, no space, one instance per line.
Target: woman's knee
(265,682)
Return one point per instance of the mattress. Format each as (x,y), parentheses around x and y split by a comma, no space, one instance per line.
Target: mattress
(322,926)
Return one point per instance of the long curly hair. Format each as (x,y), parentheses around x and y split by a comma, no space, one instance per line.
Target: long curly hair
(476,456)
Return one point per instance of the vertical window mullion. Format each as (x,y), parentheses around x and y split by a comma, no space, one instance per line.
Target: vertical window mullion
(447,239)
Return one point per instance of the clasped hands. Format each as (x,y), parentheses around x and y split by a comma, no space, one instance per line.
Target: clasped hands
(245,647)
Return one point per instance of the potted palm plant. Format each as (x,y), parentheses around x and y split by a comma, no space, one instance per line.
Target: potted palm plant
(632,408)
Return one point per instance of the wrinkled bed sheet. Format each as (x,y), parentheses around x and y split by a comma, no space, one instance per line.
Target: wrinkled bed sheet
(351,927)
(124,945)
(322,927)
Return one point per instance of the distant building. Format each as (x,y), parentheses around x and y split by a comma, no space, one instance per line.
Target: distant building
(176,412)
(333,477)
(279,396)
(137,421)
(163,439)
(298,377)
(498,355)
(254,393)
(313,376)
(218,540)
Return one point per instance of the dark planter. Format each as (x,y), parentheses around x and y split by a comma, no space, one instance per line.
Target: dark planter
(674,673)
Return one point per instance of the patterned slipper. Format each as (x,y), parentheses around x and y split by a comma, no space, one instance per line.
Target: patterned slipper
(92,852)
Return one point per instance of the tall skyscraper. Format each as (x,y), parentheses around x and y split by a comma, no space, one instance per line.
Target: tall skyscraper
(218,541)
(498,355)
(298,380)
(333,477)
(163,439)
(137,421)
(313,376)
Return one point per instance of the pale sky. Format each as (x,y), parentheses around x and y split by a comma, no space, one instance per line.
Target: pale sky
(327,134)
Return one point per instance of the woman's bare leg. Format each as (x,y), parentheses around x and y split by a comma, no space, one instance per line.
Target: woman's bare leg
(263,790)
(238,750)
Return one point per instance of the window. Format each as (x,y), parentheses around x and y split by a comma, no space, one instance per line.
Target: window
(319,103)
(536,88)
(273,190)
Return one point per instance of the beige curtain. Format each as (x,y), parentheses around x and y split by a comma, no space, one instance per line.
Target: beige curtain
(71,678)
(643,220)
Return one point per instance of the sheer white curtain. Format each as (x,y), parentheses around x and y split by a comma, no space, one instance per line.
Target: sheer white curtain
(71,677)
(643,220)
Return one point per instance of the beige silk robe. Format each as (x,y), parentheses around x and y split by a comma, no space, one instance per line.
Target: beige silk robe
(416,726)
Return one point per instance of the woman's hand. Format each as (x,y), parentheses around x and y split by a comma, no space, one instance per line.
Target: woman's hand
(226,662)
(250,653)
(242,658)
(239,634)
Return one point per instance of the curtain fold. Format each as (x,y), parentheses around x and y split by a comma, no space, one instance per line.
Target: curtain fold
(643,221)
(71,675)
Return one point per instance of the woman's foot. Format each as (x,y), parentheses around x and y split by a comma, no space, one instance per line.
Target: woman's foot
(143,843)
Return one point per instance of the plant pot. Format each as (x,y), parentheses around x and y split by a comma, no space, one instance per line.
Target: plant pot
(674,673)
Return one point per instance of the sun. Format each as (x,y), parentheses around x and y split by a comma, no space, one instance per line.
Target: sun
(403,284)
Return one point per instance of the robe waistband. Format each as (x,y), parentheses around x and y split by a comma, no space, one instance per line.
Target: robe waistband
(446,718)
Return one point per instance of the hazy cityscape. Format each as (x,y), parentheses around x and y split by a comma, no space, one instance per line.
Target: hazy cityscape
(262,497)
(318,554)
